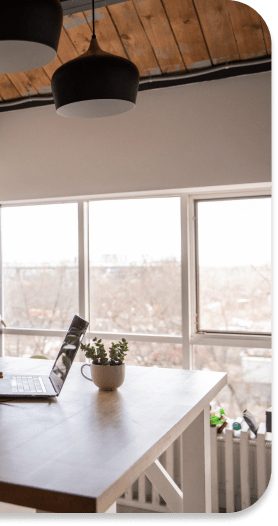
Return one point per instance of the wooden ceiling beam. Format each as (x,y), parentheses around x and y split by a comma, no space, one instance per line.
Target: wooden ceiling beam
(106,32)
(218,31)
(78,30)
(51,68)
(267,36)
(187,30)
(40,80)
(134,38)
(22,84)
(66,49)
(247,29)
(7,90)
(158,30)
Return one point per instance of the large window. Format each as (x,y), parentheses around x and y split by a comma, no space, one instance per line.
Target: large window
(233,265)
(135,266)
(232,268)
(184,278)
(39,271)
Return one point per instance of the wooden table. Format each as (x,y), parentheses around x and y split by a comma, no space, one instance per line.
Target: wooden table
(79,452)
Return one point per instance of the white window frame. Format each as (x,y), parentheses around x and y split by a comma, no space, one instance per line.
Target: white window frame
(190,336)
(216,338)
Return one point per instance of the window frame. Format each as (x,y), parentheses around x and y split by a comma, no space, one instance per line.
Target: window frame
(217,338)
(197,286)
(190,335)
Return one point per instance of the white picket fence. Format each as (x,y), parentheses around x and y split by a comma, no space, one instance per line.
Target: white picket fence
(240,465)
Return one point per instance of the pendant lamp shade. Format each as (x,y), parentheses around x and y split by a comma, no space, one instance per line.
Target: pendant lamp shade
(96,84)
(29,34)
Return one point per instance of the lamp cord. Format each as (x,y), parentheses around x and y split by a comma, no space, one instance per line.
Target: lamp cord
(93,9)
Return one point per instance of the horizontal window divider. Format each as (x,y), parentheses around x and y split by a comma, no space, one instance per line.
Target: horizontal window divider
(135,337)
(155,338)
(231,194)
(59,333)
(232,340)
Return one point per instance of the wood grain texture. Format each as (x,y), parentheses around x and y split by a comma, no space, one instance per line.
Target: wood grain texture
(247,29)
(160,35)
(66,49)
(7,90)
(51,68)
(106,32)
(267,36)
(47,460)
(22,84)
(79,31)
(40,80)
(134,38)
(217,29)
(187,30)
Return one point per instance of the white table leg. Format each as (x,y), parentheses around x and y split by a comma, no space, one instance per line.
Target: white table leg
(112,509)
(196,465)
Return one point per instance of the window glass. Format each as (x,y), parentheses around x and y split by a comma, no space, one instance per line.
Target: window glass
(249,378)
(150,354)
(40,273)
(31,346)
(233,268)
(135,266)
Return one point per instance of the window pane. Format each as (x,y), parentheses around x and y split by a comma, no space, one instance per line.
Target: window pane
(29,346)
(234,273)
(135,266)
(40,276)
(151,354)
(249,378)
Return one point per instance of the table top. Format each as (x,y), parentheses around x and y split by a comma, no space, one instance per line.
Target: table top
(77,453)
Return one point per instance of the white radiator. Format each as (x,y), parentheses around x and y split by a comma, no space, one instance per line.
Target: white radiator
(240,465)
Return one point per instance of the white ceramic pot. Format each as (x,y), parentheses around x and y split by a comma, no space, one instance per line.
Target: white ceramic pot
(106,377)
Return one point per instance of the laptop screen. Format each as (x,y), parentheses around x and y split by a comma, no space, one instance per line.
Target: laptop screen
(68,352)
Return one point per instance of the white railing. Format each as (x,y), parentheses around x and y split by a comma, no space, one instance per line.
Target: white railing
(240,465)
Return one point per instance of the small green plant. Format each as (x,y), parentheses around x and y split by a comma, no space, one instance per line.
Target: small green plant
(217,417)
(98,354)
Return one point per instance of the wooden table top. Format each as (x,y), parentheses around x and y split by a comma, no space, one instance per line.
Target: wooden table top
(79,452)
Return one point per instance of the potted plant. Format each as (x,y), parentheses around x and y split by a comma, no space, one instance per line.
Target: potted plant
(107,372)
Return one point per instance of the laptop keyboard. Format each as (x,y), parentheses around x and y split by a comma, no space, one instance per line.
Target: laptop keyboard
(27,384)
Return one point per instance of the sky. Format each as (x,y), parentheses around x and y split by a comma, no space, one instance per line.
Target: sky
(231,233)
(235,232)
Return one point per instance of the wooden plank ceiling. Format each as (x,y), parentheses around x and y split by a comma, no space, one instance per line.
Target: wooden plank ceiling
(161,37)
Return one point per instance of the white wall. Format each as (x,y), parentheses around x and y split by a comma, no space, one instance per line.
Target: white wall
(206,134)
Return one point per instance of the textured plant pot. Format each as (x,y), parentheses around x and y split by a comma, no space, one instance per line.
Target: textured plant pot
(106,377)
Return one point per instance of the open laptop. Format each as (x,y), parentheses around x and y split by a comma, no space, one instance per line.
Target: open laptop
(30,385)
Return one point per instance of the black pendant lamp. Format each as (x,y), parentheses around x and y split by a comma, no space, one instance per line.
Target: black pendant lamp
(29,34)
(96,84)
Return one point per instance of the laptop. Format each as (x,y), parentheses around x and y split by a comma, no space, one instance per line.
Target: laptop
(34,386)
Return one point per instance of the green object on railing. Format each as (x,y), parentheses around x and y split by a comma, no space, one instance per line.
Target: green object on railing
(236,426)
(40,357)
(217,417)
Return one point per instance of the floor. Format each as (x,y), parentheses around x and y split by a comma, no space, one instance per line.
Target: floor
(11,508)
